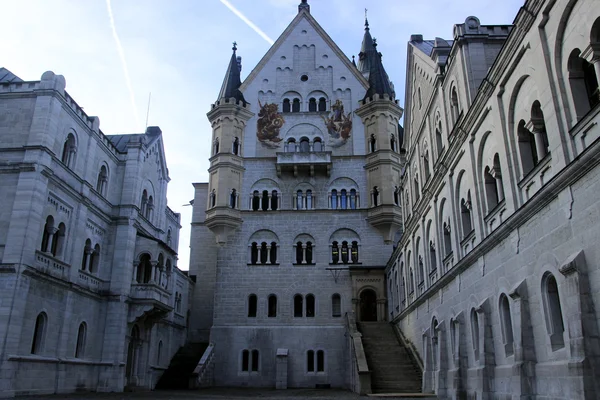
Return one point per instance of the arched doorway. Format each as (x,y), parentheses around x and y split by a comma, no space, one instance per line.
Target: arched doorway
(132,356)
(368,305)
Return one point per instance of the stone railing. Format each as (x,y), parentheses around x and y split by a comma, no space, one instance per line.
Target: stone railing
(203,374)
(149,291)
(361,376)
(50,265)
(90,281)
(313,157)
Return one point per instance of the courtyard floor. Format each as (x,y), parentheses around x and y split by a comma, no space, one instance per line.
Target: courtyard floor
(222,394)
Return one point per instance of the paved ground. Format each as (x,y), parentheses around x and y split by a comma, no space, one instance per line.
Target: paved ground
(220,394)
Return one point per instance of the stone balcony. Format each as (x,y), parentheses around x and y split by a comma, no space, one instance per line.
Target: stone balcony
(222,221)
(148,300)
(304,163)
(387,219)
(50,265)
(91,282)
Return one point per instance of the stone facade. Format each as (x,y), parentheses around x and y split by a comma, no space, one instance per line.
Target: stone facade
(496,280)
(284,241)
(91,298)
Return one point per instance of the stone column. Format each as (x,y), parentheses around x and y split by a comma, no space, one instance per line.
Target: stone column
(269,202)
(51,232)
(497,175)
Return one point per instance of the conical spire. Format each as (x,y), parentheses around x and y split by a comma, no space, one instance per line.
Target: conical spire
(367,50)
(304,6)
(232,82)
(379,82)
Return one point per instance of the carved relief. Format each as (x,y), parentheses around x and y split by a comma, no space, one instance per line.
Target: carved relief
(268,125)
(339,125)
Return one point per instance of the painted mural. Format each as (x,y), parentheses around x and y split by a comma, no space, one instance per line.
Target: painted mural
(269,124)
(339,124)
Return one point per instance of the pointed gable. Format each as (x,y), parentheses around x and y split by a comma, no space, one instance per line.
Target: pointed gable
(304,15)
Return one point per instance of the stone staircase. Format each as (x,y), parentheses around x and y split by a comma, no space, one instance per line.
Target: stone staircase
(182,365)
(392,368)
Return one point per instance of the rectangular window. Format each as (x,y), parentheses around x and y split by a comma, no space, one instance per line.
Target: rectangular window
(254,360)
(245,360)
(320,361)
(310,361)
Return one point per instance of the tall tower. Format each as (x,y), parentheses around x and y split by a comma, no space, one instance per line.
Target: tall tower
(228,118)
(380,113)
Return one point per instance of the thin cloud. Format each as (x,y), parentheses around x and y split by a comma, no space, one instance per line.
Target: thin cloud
(123,62)
(247,21)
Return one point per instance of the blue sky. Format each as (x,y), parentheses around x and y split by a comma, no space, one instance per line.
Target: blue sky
(179,50)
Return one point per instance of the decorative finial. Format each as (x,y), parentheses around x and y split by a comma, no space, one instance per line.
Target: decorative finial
(304,6)
(375,42)
(234,48)
(366,19)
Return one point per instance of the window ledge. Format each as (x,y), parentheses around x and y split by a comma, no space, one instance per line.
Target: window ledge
(468,237)
(345,265)
(494,211)
(448,257)
(263,265)
(541,165)
(304,264)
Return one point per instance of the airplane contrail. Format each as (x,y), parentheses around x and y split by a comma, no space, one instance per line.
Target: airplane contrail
(123,62)
(247,21)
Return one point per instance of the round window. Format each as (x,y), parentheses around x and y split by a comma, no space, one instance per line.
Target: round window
(304,78)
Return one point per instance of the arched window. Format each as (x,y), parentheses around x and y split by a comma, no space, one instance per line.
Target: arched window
(265,200)
(272,306)
(421,269)
(538,128)
(310,361)
(273,253)
(213,198)
(69,150)
(304,145)
(353,199)
(95,259)
(310,305)
(454,105)
(317,145)
(286,106)
(39,334)
(309,200)
(169,237)
(336,306)
(58,241)
(375,196)
(432,256)
(393,142)
(290,146)
(255,200)
(299,200)
(233,198)
(322,104)
(102,181)
(527,149)
(254,253)
(583,82)
(334,200)
(335,253)
(343,199)
(312,105)
(245,360)
(411,280)
(309,253)
(236,146)
(296,105)
(345,252)
(417,190)
(298,306)
(299,253)
(320,361)
(438,138)
(354,252)
(491,189)
(447,239)
(553,311)
(144,269)
(506,325)
(159,353)
(475,334)
(426,165)
(48,234)
(396,196)
(149,207)
(81,336)
(87,250)
(252,305)
(465,213)
(264,253)
(255,360)
(372,143)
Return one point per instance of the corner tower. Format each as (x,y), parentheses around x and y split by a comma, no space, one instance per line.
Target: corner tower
(228,118)
(380,113)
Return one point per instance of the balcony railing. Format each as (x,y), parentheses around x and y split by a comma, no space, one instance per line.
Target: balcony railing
(304,162)
(149,292)
(91,282)
(50,265)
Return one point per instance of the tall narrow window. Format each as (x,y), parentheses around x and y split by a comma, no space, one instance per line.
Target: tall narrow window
(159,353)
(216,147)
(432,256)
(58,240)
(296,105)
(149,208)
(527,149)
(290,146)
(213,198)
(286,106)
(245,360)
(312,105)
(274,200)
(236,145)
(417,190)
(322,104)
(304,145)
(353,199)
(80,346)
(69,150)
(317,145)
(39,334)
(335,253)
(506,325)
(265,200)
(393,143)
(475,334)
(438,138)
(454,106)
(48,234)
(354,252)
(272,309)
(345,252)
(320,361)
(334,199)
(396,196)
(310,305)
(421,269)
(264,253)
(553,311)
(447,239)
(336,306)
(298,305)
(254,253)
(310,361)
(309,253)
(375,196)
(87,249)
(273,253)
(95,259)
(233,198)
(299,200)
(426,165)
(309,200)
(299,253)
(491,189)
(372,143)
(343,199)
(255,200)
(465,213)
(252,305)
(583,82)
(102,180)
(255,360)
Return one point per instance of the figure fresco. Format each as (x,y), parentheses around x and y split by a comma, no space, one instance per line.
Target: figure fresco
(268,125)
(339,125)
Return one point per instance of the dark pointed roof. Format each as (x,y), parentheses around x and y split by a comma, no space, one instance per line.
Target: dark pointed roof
(367,51)
(379,81)
(7,76)
(232,82)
